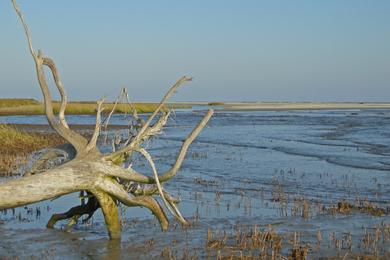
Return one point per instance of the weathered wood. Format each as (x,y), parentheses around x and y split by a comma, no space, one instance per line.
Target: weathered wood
(102,176)
(110,212)
(65,179)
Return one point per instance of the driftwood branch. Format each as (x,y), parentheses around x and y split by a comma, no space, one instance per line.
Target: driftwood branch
(40,60)
(140,134)
(92,143)
(26,31)
(132,175)
(159,187)
(104,177)
(61,115)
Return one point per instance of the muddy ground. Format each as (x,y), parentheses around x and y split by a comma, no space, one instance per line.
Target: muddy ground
(255,184)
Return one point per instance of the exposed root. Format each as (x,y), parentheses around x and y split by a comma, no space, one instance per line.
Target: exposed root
(110,212)
(75,213)
(113,188)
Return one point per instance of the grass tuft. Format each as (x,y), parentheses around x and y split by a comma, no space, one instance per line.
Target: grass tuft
(18,145)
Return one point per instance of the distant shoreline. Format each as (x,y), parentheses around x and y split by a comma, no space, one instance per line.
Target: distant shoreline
(13,107)
(228,106)
(278,106)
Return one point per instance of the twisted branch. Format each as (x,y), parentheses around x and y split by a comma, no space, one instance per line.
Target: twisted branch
(92,143)
(175,212)
(56,76)
(132,175)
(78,142)
(25,27)
(139,136)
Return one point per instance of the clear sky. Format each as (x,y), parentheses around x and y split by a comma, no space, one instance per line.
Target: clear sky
(313,50)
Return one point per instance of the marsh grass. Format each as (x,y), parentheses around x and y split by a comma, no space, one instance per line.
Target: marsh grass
(33,107)
(245,242)
(17,145)
(14,102)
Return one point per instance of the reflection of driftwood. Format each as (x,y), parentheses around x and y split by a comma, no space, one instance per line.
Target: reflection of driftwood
(103,177)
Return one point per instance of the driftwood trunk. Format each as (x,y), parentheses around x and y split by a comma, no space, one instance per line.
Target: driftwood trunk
(108,179)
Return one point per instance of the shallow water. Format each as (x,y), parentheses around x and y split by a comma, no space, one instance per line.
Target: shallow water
(245,168)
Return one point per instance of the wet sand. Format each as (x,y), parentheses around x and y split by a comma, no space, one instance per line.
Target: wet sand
(297,172)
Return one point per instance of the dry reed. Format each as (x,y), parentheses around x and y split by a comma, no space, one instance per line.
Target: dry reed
(18,145)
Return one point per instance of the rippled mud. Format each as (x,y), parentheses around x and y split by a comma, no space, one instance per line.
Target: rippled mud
(254,184)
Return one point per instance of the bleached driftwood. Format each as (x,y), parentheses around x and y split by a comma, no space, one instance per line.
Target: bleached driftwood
(101,176)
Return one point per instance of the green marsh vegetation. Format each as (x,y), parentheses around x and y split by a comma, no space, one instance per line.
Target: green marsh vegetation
(34,107)
(15,102)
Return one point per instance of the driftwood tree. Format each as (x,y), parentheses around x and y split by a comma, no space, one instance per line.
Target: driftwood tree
(108,179)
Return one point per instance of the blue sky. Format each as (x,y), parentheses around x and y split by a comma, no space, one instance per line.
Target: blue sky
(313,50)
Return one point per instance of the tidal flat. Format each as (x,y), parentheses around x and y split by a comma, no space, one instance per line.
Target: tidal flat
(255,184)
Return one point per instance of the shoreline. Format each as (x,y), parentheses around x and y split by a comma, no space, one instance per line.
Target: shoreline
(221,107)
(285,106)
